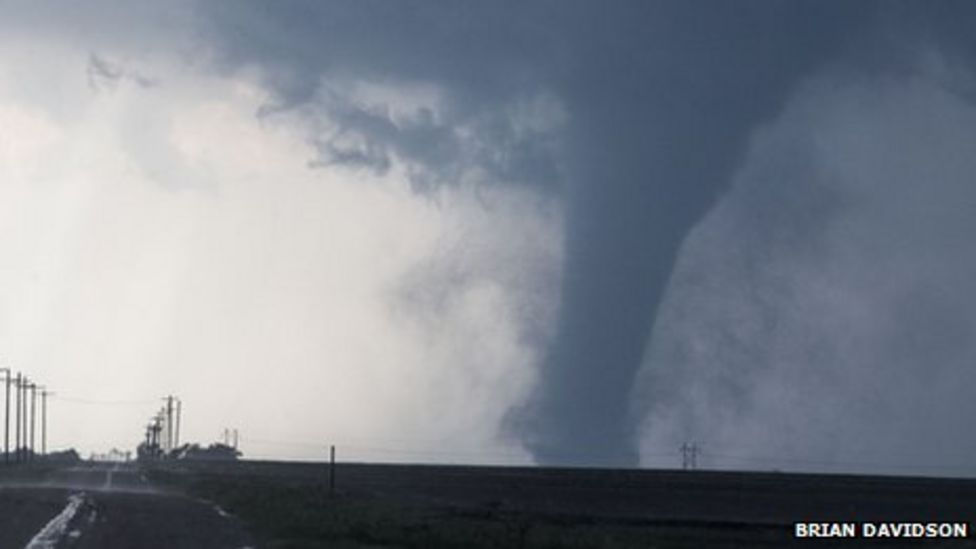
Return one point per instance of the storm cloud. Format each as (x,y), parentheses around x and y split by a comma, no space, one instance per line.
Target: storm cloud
(654,105)
(637,119)
(659,98)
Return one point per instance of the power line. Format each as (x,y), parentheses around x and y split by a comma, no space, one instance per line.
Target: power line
(100,402)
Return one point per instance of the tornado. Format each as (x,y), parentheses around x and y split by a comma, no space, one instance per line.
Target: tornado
(663,102)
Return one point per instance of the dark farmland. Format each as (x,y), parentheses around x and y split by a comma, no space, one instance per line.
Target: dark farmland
(292,505)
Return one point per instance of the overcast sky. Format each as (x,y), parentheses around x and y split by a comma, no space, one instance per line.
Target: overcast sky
(545,232)
(161,236)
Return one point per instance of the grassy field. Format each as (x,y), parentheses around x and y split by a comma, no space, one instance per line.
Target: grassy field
(23,473)
(291,505)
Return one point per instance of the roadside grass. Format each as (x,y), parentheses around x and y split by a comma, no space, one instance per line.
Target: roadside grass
(24,472)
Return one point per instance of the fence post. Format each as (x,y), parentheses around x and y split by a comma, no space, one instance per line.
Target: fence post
(332,469)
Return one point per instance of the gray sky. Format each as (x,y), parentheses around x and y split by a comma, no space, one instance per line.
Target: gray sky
(159,236)
(553,232)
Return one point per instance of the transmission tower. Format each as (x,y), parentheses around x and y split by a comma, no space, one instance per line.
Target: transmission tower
(689,456)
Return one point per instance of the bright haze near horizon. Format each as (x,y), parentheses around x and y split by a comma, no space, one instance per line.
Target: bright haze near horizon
(557,233)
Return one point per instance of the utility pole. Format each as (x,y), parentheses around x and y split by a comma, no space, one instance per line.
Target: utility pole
(167,412)
(179,411)
(689,456)
(44,395)
(169,423)
(332,469)
(17,437)
(33,419)
(6,417)
(160,419)
(157,429)
(151,437)
(25,389)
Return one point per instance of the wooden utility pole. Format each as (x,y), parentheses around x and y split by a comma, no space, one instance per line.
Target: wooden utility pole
(179,410)
(25,389)
(169,423)
(332,469)
(17,414)
(689,456)
(33,419)
(158,432)
(6,416)
(44,395)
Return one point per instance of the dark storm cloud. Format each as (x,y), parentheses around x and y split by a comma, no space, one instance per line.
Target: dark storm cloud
(434,151)
(661,99)
(484,54)
(663,103)
(103,74)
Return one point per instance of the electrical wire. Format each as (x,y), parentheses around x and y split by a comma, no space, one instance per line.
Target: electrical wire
(99,402)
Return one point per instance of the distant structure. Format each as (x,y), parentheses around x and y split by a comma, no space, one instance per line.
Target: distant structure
(214,452)
(66,457)
(162,431)
(114,455)
(162,440)
(689,456)
(231,437)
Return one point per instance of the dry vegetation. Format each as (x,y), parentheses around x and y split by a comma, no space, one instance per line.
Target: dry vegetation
(291,505)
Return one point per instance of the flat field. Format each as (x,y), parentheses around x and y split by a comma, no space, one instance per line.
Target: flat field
(293,505)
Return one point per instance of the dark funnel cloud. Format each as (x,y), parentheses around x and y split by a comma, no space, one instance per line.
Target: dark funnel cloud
(661,100)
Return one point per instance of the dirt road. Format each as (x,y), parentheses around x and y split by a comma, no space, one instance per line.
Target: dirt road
(109,505)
